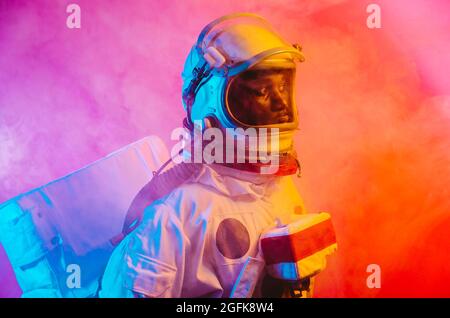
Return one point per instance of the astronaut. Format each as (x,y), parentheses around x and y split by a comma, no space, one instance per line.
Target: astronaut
(194,231)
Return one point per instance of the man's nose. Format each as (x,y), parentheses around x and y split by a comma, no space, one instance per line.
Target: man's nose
(278,101)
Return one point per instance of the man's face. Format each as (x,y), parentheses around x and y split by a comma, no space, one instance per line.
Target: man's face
(262,97)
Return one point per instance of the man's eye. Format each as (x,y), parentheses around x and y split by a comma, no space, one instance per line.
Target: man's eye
(262,92)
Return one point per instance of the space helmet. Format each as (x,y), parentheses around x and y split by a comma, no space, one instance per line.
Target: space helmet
(241,74)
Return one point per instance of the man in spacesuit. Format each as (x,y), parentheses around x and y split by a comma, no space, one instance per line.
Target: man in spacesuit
(199,233)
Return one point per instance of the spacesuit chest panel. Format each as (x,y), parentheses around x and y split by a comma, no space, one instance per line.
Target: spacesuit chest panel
(234,213)
(234,238)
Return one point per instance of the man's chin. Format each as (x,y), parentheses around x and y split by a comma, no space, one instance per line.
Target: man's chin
(282,119)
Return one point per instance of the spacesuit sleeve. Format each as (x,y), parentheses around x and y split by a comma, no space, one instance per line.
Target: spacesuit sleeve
(154,257)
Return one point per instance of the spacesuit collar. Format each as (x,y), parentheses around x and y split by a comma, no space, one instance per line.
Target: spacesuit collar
(236,183)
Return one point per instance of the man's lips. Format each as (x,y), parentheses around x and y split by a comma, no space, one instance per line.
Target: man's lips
(282,116)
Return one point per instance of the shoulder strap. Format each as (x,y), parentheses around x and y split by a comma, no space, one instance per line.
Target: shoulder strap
(159,186)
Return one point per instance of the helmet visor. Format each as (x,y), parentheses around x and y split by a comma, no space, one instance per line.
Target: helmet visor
(263,96)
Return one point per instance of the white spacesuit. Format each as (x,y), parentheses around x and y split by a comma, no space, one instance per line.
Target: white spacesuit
(195,241)
(201,237)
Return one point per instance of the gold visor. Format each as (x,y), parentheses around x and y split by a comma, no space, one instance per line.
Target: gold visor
(263,96)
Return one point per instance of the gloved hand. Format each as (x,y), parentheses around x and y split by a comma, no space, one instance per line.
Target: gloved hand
(297,251)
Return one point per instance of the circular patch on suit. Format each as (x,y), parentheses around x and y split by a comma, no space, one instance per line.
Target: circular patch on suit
(232,238)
